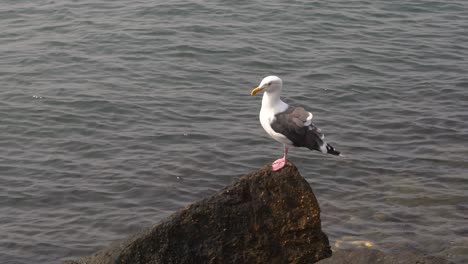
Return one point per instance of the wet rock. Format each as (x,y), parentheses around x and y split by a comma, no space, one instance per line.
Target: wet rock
(264,217)
(373,256)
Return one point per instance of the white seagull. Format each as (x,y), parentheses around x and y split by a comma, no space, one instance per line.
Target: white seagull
(289,125)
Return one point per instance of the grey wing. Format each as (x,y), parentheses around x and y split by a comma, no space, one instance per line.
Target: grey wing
(296,124)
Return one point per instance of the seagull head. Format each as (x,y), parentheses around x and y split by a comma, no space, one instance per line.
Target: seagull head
(268,84)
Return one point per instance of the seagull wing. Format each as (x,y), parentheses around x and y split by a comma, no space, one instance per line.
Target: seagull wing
(296,124)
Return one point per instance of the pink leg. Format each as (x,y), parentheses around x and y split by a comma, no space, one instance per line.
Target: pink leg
(279,163)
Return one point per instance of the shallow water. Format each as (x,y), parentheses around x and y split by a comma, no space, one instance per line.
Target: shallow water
(114,114)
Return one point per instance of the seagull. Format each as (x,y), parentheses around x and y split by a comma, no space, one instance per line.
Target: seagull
(289,125)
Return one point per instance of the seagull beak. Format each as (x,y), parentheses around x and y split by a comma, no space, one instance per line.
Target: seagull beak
(256,90)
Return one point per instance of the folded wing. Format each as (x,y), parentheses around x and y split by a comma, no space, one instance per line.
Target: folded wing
(296,124)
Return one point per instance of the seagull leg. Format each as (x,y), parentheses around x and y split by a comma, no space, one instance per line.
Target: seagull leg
(279,163)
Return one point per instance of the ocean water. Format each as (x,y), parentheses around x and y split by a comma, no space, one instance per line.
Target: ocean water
(114,114)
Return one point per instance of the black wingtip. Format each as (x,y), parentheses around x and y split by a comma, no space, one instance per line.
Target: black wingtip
(332,150)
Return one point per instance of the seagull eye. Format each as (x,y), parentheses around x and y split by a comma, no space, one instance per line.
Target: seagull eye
(269,83)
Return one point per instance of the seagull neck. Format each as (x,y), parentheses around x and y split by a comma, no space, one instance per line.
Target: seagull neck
(271,99)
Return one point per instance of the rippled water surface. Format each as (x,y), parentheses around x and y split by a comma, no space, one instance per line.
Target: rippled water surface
(114,114)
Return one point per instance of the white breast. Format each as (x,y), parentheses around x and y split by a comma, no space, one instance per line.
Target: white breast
(266,118)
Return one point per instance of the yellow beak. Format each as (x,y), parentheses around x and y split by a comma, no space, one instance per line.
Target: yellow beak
(256,90)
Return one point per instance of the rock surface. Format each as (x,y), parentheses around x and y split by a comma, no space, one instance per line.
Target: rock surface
(372,256)
(264,217)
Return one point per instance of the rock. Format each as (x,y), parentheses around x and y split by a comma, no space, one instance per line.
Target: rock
(264,217)
(373,256)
